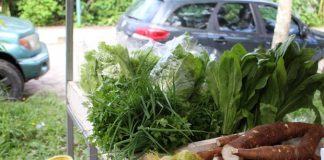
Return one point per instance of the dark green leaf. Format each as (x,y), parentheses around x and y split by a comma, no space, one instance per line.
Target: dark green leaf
(228,78)
(268,113)
(303,92)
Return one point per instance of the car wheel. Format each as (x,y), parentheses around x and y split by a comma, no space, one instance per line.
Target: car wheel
(11,81)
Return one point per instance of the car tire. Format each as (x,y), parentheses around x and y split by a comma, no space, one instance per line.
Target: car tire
(12,78)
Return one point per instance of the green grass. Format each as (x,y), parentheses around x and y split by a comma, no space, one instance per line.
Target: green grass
(35,129)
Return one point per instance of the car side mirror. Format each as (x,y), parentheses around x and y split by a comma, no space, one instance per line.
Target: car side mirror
(303,31)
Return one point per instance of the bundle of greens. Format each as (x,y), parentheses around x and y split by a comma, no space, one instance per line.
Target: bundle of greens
(140,101)
(263,86)
(132,113)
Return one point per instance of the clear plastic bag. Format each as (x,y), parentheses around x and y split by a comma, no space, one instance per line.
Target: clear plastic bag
(180,67)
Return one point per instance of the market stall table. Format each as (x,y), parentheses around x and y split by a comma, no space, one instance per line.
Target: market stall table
(77,114)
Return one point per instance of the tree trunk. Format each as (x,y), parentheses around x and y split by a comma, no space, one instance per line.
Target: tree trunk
(11,5)
(321,8)
(283,22)
(5,7)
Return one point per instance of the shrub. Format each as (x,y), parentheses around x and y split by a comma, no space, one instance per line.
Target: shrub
(308,11)
(103,12)
(42,12)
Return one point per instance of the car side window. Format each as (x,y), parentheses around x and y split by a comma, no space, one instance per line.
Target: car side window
(192,16)
(236,17)
(269,15)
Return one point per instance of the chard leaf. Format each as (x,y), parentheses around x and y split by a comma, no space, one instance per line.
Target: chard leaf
(301,67)
(211,80)
(322,94)
(256,79)
(249,118)
(301,95)
(270,97)
(268,113)
(249,64)
(262,82)
(292,52)
(318,119)
(228,78)
(238,50)
(281,48)
(281,75)
(252,102)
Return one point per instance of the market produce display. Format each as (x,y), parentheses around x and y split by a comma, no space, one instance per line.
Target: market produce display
(164,96)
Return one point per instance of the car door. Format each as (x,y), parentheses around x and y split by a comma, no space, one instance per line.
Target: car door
(234,22)
(190,18)
(267,14)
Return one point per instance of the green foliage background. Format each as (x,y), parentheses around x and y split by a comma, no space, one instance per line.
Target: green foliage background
(52,12)
(309,11)
(107,12)
(42,12)
(308,14)
(103,12)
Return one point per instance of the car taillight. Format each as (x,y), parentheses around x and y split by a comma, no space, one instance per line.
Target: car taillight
(25,43)
(153,33)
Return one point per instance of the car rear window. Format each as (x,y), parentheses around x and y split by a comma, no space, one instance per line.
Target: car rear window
(144,10)
(236,17)
(192,16)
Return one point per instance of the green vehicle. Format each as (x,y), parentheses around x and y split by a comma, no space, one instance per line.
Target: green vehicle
(22,56)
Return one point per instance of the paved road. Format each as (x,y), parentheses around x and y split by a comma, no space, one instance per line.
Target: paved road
(84,39)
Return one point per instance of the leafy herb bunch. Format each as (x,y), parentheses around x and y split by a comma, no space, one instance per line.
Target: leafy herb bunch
(130,112)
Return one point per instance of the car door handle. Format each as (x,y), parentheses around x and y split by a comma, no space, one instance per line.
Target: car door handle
(220,40)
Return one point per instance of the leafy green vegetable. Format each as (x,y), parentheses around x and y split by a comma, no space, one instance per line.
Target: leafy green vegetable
(132,113)
(179,73)
(89,76)
(227,76)
(263,86)
(322,94)
(141,102)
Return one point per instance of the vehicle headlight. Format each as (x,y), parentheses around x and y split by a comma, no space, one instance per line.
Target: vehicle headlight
(30,42)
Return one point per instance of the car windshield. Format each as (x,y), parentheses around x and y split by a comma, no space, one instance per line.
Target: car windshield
(144,9)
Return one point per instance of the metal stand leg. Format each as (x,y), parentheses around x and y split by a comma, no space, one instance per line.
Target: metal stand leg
(93,152)
(70,136)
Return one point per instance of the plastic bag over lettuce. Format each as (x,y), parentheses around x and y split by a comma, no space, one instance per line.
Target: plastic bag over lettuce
(181,67)
(111,62)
